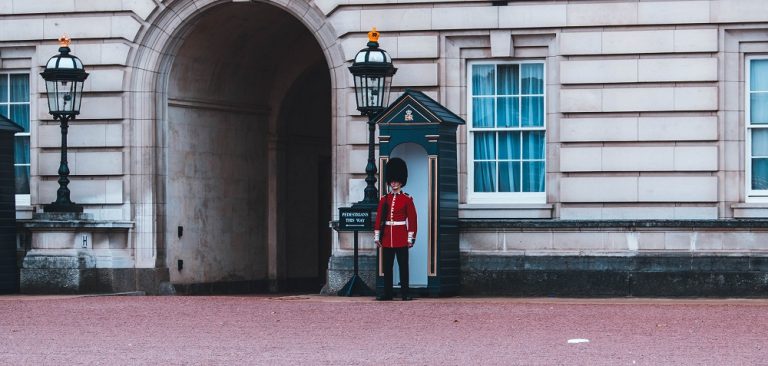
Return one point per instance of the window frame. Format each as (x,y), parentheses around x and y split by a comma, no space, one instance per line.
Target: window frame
(21,199)
(752,195)
(503,197)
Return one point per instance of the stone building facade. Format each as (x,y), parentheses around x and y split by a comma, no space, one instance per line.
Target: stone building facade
(611,147)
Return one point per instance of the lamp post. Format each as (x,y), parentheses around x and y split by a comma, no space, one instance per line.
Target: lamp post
(64,76)
(372,71)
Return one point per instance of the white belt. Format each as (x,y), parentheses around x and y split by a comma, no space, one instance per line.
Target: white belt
(395,223)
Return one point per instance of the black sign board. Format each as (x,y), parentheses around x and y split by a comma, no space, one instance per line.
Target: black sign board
(355,219)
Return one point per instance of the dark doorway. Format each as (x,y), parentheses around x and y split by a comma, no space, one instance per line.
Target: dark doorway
(306,114)
(248,140)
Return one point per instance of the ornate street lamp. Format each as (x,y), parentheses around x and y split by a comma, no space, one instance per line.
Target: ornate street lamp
(373,72)
(64,77)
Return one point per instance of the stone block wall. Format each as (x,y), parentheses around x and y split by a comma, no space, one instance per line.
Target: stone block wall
(644,106)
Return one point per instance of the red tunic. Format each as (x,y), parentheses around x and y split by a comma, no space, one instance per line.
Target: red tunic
(400,221)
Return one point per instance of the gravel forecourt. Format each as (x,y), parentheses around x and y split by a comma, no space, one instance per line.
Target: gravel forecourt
(324,330)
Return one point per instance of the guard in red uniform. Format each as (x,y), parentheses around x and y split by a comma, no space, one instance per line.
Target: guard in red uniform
(395,227)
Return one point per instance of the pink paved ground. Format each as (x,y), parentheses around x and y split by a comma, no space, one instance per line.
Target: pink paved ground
(315,330)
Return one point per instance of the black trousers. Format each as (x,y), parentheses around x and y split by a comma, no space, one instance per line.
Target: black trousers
(388,258)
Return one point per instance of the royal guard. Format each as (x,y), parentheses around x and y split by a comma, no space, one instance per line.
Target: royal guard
(395,227)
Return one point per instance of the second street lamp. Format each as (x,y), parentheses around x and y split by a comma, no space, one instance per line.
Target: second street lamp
(64,77)
(372,71)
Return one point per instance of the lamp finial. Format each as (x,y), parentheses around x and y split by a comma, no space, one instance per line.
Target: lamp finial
(64,41)
(373,35)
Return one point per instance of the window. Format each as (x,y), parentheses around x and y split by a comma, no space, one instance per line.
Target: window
(507,136)
(14,104)
(757,129)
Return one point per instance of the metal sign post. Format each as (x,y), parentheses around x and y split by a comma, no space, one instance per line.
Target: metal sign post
(355,219)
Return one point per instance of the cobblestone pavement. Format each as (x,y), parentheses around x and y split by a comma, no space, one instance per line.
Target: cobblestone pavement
(317,330)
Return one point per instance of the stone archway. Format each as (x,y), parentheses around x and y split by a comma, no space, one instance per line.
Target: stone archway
(227,131)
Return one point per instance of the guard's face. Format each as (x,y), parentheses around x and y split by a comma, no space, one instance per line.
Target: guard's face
(395,185)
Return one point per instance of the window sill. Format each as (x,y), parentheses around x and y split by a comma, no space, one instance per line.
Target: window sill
(505,211)
(750,210)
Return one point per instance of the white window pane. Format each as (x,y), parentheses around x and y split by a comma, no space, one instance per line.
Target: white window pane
(21,150)
(758,104)
(533,145)
(19,88)
(760,142)
(14,105)
(509,176)
(533,176)
(485,173)
(482,112)
(533,78)
(508,154)
(533,112)
(759,173)
(758,80)
(485,145)
(508,79)
(509,145)
(20,115)
(508,112)
(483,80)
(4,89)
(22,179)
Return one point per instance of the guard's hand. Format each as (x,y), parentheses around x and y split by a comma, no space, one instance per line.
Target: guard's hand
(378,243)
(410,243)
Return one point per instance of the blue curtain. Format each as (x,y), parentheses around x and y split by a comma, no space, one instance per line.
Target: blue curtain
(21,150)
(4,90)
(22,179)
(509,171)
(509,146)
(758,113)
(483,80)
(21,156)
(532,76)
(758,108)
(518,164)
(758,83)
(20,115)
(533,145)
(509,176)
(533,171)
(485,171)
(15,89)
(760,173)
(482,112)
(533,112)
(508,79)
(483,84)
(508,112)
(758,78)
(19,88)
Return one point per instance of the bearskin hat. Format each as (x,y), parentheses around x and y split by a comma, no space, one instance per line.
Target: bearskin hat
(396,170)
